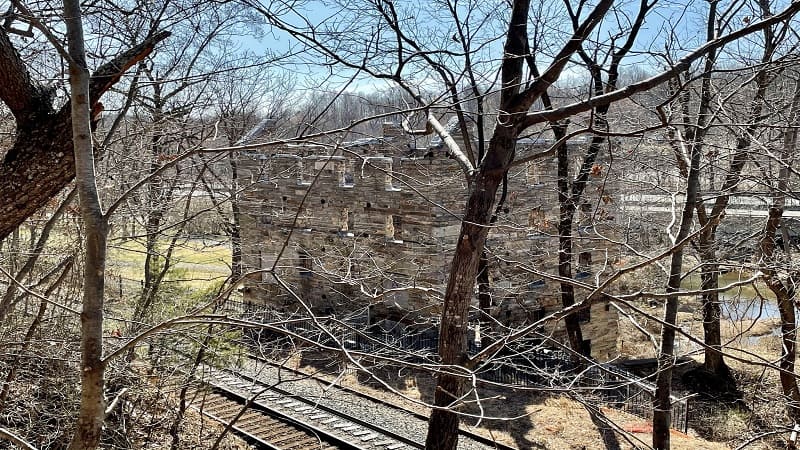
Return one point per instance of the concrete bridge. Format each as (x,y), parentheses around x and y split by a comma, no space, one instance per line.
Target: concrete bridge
(742,205)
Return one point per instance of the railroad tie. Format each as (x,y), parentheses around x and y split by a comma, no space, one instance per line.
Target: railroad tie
(290,437)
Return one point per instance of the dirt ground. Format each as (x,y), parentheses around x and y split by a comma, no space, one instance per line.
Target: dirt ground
(522,418)
(552,420)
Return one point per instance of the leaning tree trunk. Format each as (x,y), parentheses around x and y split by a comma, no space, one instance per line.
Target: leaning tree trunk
(41,163)
(90,418)
(443,423)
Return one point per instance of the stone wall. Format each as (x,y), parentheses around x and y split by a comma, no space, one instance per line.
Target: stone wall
(375,226)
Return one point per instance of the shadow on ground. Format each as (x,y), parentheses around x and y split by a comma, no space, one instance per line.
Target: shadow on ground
(488,410)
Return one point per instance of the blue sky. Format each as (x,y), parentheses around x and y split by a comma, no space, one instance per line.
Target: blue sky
(683,18)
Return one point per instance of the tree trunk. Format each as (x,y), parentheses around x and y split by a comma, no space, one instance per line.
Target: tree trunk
(41,154)
(714,361)
(784,296)
(662,404)
(237,265)
(695,136)
(565,248)
(90,418)
(443,424)
(484,300)
(158,197)
(709,275)
(765,256)
(41,163)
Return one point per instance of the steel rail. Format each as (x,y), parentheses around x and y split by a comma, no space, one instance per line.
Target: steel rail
(466,433)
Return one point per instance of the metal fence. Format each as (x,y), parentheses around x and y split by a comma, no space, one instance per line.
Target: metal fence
(624,390)
(525,364)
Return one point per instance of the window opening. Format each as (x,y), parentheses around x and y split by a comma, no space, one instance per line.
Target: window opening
(533,175)
(306,263)
(585,315)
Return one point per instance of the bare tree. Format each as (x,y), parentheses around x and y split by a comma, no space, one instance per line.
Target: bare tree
(485,171)
(252,105)
(90,419)
(42,130)
(503,93)
(781,281)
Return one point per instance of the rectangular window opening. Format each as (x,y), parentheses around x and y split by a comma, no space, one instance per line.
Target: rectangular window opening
(306,263)
(585,315)
(586,347)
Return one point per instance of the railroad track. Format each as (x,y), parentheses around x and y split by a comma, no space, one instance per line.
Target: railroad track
(383,403)
(280,420)
(258,427)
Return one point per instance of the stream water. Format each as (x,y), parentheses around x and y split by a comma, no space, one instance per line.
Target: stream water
(734,308)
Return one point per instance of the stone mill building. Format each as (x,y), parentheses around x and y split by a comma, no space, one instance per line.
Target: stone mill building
(368,227)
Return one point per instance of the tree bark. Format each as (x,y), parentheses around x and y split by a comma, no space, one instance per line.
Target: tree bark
(514,102)
(484,300)
(765,256)
(237,263)
(570,193)
(40,163)
(784,295)
(712,333)
(443,424)
(89,426)
(709,272)
(565,247)
(695,136)
(662,405)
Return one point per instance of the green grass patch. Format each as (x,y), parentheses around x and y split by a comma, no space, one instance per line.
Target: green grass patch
(746,292)
(194,262)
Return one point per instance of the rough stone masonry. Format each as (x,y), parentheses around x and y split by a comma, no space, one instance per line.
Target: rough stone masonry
(371,227)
